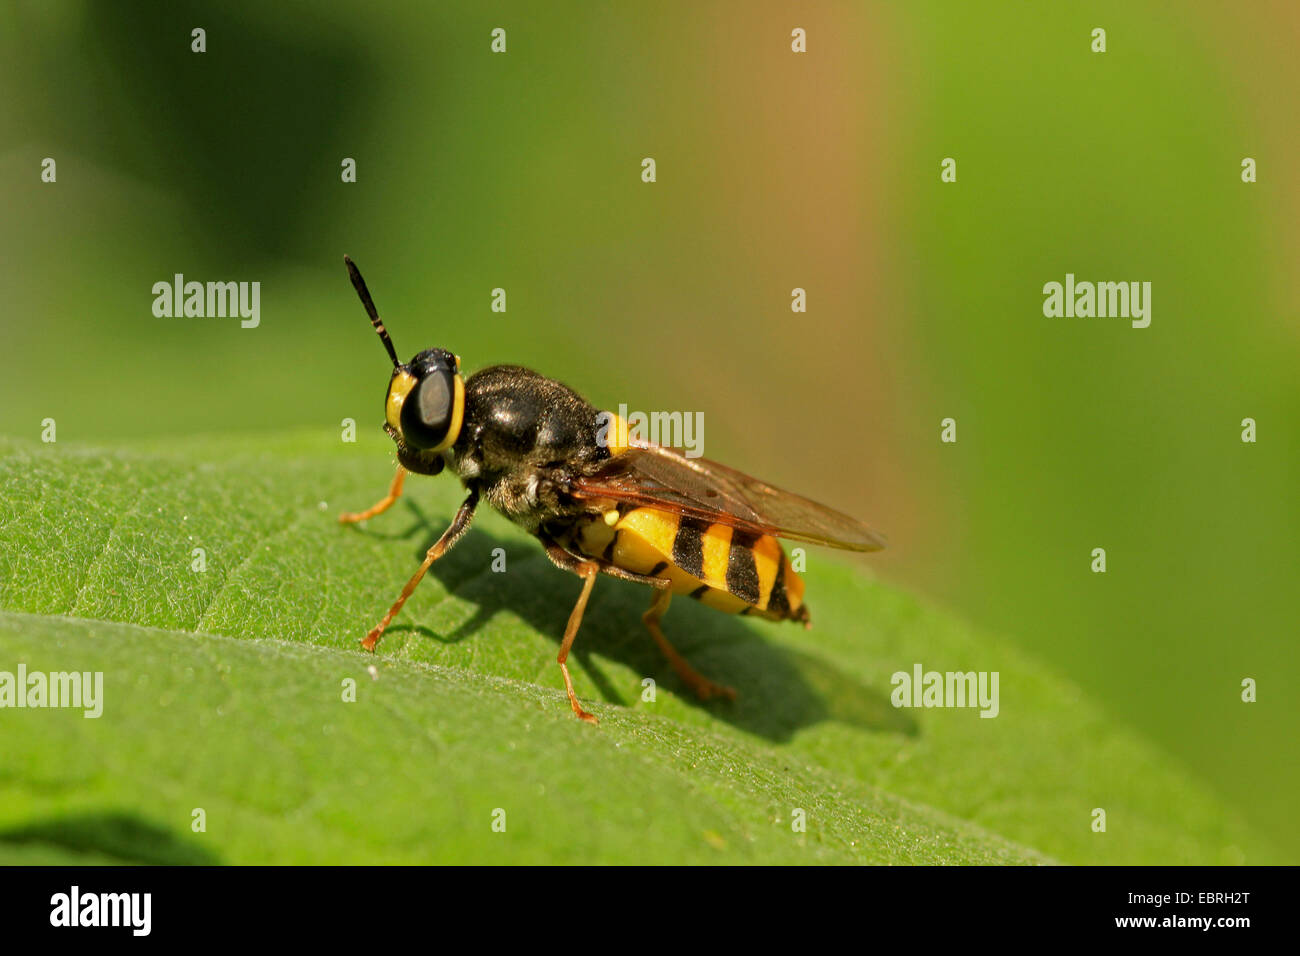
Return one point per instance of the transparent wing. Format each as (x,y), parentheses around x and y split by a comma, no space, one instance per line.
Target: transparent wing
(658,477)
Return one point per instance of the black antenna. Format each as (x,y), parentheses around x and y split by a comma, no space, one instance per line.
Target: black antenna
(359,284)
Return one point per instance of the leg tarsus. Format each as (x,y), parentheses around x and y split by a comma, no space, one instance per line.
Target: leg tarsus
(703,687)
(459,525)
(587,570)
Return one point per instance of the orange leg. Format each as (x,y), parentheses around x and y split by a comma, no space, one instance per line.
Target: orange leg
(587,570)
(703,687)
(459,525)
(394,492)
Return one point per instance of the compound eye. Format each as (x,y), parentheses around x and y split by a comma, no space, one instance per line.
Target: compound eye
(428,410)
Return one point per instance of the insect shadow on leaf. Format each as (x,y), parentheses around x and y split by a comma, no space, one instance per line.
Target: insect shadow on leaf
(124,837)
(780,691)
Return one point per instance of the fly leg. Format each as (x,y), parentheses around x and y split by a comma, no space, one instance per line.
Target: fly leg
(701,685)
(697,682)
(587,570)
(459,525)
(394,492)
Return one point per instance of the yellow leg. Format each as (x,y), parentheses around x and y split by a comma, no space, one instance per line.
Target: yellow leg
(587,570)
(703,687)
(394,492)
(459,525)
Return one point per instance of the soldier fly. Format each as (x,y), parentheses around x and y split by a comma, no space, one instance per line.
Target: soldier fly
(600,500)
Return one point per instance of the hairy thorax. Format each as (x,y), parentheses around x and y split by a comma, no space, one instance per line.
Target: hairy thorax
(526,437)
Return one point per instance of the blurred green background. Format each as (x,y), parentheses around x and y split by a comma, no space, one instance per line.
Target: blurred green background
(775,171)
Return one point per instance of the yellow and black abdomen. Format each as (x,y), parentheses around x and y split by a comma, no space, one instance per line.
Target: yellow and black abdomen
(724,567)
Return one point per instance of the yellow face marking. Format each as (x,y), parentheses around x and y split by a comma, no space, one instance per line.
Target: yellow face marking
(398,389)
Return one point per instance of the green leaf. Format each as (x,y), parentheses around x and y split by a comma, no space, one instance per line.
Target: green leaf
(224,691)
